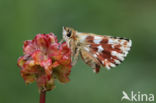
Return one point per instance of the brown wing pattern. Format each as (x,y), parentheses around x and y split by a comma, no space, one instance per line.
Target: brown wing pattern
(105,50)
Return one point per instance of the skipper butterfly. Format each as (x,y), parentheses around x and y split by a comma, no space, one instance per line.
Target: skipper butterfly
(96,50)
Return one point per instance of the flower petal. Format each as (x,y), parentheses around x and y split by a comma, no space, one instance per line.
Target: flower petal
(28,47)
(41,42)
(62,73)
(44,83)
(47,65)
(38,57)
(51,38)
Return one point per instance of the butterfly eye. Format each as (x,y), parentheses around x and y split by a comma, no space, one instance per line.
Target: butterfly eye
(69,34)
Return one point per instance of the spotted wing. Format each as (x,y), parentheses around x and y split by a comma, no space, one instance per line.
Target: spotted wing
(108,51)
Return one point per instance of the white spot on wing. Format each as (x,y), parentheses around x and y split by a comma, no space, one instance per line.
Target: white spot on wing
(107,66)
(112,65)
(82,38)
(114,53)
(97,53)
(123,48)
(117,61)
(113,46)
(129,43)
(118,55)
(87,49)
(122,42)
(110,41)
(113,41)
(100,48)
(103,62)
(97,39)
(94,55)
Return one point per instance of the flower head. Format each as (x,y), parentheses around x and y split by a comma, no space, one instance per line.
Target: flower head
(45,60)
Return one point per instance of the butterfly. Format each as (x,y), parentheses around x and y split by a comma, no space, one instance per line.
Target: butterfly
(96,50)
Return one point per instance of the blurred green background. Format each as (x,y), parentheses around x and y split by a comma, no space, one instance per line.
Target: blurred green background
(136,19)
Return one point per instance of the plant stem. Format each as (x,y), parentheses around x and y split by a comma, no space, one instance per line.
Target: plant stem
(42,96)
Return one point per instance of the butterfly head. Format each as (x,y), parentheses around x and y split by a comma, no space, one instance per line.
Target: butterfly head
(68,33)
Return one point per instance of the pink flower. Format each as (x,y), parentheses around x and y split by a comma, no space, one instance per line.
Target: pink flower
(44,61)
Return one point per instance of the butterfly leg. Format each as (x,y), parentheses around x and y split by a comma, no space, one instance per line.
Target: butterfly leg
(75,56)
(61,41)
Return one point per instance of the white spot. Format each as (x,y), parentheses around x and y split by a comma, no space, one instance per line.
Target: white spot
(82,38)
(103,62)
(97,37)
(97,53)
(123,48)
(107,67)
(94,70)
(106,64)
(129,43)
(114,53)
(121,57)
(97,41)
(127,49)
(100,48)
(110,41)
(113,46)
(112,65)
(117,61)
(94,55)
(113,41)
(122,42)
(118,55)
(125,53)
(87,49)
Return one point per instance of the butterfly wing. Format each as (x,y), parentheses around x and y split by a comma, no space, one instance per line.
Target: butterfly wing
(106,51)
(90,60)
